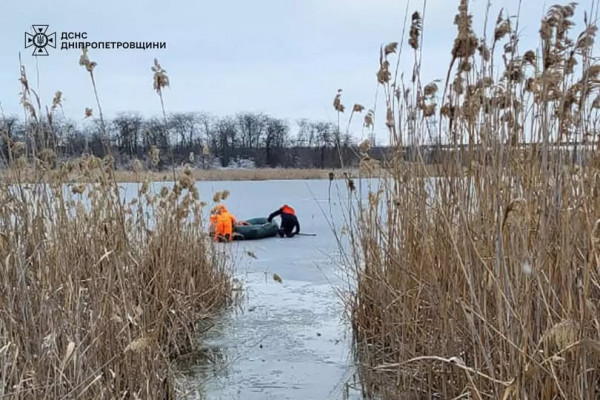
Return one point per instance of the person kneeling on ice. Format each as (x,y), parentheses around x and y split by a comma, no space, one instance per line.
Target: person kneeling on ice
(222,223)
(289,221)
(213,218)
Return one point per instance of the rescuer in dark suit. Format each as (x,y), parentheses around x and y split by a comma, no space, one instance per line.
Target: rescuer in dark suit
(289,221)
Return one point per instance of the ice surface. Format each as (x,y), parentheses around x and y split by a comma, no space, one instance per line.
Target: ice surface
(289,340)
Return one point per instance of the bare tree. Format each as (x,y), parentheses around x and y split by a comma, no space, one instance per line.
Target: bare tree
(186,126)
(275,140)
(251,128)
(128,130)
(227,134)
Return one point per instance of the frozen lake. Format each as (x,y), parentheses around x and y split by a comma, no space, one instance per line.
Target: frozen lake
(287,340)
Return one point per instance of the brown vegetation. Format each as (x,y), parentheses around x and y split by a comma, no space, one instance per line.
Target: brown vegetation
(487,284)
(252,174)
(97,296)
(75,175)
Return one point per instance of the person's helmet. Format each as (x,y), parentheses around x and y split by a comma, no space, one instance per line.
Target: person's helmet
(288,210)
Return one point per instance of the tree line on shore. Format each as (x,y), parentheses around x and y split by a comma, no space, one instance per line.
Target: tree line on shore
(206,140)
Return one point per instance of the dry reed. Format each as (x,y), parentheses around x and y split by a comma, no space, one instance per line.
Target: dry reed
(486,283)
(98,297)
(138,174)
(96,306)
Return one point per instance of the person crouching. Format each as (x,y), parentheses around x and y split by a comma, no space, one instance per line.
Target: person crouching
(290,225)
(224,223)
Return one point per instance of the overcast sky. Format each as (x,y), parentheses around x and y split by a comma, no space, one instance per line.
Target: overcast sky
(286,58)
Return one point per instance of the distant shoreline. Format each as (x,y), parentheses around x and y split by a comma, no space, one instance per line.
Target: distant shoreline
(27,175)
(250,174)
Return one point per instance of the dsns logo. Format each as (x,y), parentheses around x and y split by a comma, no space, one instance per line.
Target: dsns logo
(39,39)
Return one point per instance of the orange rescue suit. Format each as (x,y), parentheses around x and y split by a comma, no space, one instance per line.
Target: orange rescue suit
(224,223)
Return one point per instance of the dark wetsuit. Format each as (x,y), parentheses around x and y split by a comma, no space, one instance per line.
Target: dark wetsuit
(288,223)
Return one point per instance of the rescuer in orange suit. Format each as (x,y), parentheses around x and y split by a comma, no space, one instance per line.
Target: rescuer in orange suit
(223,223)
(289,221)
